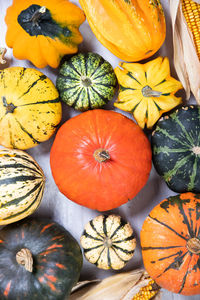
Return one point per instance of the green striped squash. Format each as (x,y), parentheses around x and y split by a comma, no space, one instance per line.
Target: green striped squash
(86,81)
(21,185)
(108,242)
(176,149)
(170,242)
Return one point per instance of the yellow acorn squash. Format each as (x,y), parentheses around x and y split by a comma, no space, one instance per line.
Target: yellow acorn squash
(30,108)
(147,90)
(131,29)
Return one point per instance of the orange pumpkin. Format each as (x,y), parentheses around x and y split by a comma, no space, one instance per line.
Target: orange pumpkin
(100,159)
(170,240)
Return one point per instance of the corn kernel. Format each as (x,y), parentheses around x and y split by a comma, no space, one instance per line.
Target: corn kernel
(191,11)
(147,292)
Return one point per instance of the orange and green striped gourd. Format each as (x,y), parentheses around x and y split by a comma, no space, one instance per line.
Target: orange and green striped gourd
(170,241)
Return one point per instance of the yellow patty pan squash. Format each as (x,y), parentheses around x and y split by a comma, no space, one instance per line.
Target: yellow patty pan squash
(147,90)
(30,108)
(43,31)
(131,29)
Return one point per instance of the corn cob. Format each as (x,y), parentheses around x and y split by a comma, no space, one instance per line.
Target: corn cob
(191,11)
(147,292)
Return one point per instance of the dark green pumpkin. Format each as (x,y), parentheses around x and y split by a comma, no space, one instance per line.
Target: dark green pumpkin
(56,265)
(176,149)
(86,81)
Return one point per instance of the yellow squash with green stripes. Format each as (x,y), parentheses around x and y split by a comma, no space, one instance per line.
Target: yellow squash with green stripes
(147,90)
(30,108)
(21,185)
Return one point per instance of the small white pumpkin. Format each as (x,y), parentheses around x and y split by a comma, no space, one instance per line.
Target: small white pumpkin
(108,242)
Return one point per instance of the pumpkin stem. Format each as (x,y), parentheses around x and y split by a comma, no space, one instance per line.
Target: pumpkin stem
(24,257)
(37,14)
(148,92)
(193,245)
(101,155)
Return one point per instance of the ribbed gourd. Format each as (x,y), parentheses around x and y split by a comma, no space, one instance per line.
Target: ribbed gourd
(86,81)
(191,11)
(170,241)
(176,149)
(108,242)
(147,90)
(131,30)
(43,31)
(30,108)
(21,185)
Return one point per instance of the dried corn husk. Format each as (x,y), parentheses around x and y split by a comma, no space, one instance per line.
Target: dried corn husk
(186,61)
(2,54)
(123,286)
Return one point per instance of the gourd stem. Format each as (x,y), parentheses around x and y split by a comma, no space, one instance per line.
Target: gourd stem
(193,245)
(101,155)
(24,257)
(196,150)
(108,242)
(86,82)
(148,92)
(37,14)
(2,54)
(9,106)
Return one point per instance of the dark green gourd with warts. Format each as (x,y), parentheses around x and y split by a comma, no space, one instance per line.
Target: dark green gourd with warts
(86,81)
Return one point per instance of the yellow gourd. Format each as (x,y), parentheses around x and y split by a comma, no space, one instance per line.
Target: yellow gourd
(43,31)
(131,29)
(30,108)
(147,90)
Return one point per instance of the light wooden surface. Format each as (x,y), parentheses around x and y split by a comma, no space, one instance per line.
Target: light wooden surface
(72,216)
